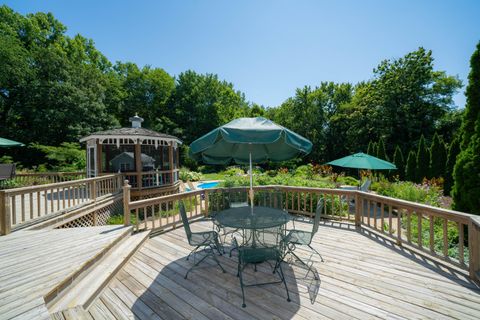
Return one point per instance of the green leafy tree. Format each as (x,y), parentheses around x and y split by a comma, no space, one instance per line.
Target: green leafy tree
(66,157)
(466,190)
(438,157)
(453,152)
(423,160)
(405,99)
(381,152)
(399,163)
(411,168)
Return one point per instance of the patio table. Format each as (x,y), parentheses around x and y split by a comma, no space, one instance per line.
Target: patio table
(243,218)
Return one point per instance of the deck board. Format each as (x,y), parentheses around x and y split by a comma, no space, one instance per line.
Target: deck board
(363,277)
(34,262)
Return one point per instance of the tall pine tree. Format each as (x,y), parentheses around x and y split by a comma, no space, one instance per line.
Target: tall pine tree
(411,168)
(466,190)
(371,149)
(381,152)
(438,157)
(399,163)
(453,152)
(423,160)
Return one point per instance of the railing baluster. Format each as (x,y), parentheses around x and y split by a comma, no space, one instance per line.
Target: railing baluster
(445,238)
(390,219)
(382,218)
(30,200)
(22,205)
(419,227)
(409,226)
(374,214)
(460,243)
(432,234)
(14,208)
(399,225)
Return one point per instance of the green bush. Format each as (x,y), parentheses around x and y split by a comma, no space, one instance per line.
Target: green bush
(233,171)
(187,175)
(305,171)
(409,191)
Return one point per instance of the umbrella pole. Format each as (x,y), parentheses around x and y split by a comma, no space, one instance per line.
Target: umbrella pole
(251,182)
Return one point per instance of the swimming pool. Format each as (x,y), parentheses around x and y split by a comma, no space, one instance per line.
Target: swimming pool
(208,185)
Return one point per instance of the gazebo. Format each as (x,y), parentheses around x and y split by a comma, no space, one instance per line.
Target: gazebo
(148,159)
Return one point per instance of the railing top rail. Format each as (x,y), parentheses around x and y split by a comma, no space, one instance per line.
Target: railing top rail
(450,214)
(27,174)
(170,197)
(41,187)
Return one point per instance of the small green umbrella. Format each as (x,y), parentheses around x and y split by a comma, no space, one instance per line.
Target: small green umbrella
(5,143)
(363,161)
(249,140)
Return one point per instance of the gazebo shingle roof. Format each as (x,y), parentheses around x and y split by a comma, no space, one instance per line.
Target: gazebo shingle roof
(132,132)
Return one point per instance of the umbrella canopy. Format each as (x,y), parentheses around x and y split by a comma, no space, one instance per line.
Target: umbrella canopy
(249,140)
(241,138)
(5,143)
(363,161)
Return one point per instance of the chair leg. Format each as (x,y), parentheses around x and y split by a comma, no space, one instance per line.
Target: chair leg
(309,267)
(214,256)
(282,276)
(241,285)
(218,245)
(192,252)
(313,249)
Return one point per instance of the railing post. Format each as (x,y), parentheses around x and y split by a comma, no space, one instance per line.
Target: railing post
(474,249)
(126,203)
(206,203)
(357,210)
(5,214)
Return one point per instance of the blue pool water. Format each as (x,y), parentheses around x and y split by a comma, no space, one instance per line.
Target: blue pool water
(208,185)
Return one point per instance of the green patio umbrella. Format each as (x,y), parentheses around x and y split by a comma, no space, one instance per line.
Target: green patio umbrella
(5,143)
(363,161)
(249,140)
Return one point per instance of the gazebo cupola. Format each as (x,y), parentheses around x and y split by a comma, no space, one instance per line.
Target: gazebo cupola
(148,159)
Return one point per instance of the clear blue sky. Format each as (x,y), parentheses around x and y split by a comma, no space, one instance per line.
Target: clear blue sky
(269,48)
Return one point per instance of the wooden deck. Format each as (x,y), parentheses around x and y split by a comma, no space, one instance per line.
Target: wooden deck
(33,262)
(362,277)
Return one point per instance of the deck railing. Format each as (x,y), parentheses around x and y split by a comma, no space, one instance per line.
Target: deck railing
(36,178)
(447,235)
(21,207)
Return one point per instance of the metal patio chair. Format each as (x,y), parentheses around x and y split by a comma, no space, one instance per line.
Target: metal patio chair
(297,237)
(207,241)
(266,245)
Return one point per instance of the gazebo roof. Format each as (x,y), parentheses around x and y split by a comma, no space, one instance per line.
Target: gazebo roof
(135,133)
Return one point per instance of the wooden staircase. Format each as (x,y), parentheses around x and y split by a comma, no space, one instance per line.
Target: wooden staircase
(74,297)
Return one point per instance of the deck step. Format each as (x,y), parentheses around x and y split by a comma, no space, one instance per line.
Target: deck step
(73,313)
(84,291)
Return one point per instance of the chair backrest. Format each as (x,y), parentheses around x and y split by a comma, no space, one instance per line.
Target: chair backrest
(318,213)
(191,186)
(366,185)
(7,171)
(186,224)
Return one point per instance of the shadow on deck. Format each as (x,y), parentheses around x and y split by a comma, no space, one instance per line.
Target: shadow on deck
(363,276)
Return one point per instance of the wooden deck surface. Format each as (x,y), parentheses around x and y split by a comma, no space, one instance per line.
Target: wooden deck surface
(362,277)
(34,262)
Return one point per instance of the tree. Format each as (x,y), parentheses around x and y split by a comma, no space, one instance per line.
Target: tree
(453,152)
(411,168)
(423,161)
(438,157)
(399,163)
(370,148)
(405,99)
(381,152)
(466,189)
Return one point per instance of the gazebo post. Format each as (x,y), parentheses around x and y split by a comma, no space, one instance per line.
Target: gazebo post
(170,159)
(138,163)
(98,164)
